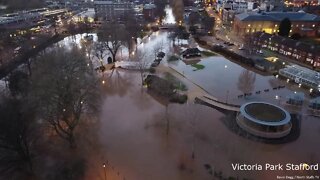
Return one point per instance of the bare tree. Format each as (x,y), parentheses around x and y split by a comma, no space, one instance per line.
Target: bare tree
(113,36)
(100,51)
(157,48)
(89,47)
(64,88)
(17,138)
(142,63)
(249,43)
(246,81)
(178,9)
(132,28)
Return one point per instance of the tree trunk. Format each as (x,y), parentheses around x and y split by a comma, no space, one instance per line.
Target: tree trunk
(113,57)
(71,140)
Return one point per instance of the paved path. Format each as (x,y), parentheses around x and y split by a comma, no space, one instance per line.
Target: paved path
(195,91)
(222,105)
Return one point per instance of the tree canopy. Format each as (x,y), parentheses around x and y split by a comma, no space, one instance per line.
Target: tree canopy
(285,27)
(63,86)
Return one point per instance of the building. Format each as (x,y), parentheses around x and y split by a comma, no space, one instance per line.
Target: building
(302,76)
(230,9)
(111,9)
(149,11)
(303,53)
(301,3)
(302,23)
(264,120)
(28,19)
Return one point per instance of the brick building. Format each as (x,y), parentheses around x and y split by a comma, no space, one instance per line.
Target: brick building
(303,23)
(302,52)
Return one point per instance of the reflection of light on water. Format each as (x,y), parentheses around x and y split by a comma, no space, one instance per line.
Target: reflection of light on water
(169,19)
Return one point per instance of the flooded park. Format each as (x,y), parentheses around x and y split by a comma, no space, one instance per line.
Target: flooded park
(143,137)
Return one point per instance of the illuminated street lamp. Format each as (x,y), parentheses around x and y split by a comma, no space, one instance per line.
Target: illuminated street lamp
(104,165)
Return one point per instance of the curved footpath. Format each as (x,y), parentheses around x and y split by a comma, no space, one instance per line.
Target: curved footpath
(197,92)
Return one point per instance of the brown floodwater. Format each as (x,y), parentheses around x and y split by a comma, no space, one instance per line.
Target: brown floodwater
(149,140)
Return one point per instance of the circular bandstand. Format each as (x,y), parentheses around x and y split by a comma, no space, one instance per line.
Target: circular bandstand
(264,120)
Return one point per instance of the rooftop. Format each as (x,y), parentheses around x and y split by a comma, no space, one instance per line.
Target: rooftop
(265,113)
(277,16)
(302,73)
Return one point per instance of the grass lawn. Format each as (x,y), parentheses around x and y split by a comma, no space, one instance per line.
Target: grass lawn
(198,67)
(208,53)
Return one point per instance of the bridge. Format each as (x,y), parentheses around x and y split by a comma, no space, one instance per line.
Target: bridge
(132,65)
(168,26)
(214,103)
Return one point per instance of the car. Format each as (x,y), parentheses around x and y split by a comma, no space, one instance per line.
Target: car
(158,59)
(89,37)
(260,51)
(230,44)
(161,54)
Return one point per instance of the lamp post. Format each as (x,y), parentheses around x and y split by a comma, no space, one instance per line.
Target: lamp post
(104,165)
(227,96)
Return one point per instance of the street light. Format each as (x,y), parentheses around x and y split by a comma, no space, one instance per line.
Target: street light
(104,165)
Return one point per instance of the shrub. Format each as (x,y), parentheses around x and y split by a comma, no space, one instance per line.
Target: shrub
(173,58)
(178,98)
(152,70)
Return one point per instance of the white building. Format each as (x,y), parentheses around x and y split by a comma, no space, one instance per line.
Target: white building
(110,10)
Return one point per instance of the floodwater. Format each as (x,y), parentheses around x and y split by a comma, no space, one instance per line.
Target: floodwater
(144,139)
(224,80)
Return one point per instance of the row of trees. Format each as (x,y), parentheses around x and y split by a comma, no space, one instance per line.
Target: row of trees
(61,93)
(178,9)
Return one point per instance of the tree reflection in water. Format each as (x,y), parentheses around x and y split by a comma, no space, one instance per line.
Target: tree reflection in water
(118,83)
(246,81)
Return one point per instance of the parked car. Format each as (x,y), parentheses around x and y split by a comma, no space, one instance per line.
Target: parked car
(260,51)
(161,54)
(191,52)
(158,59)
